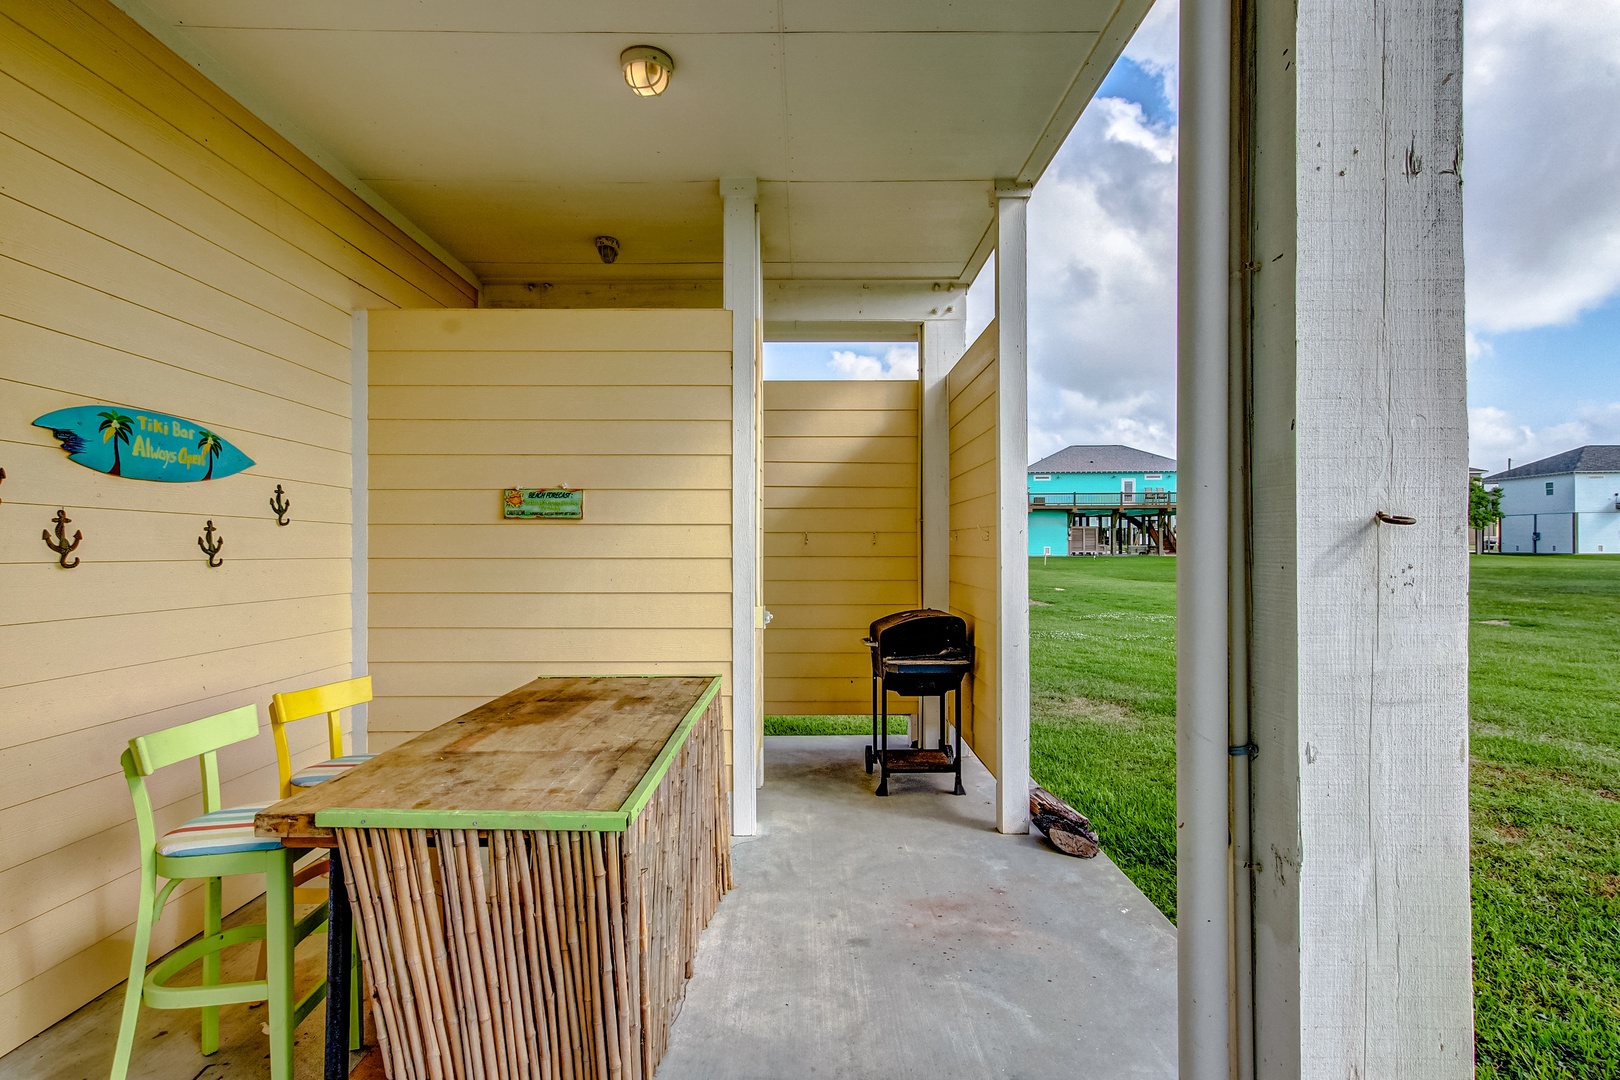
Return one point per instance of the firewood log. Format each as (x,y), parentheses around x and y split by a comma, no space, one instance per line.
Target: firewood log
(1064,826)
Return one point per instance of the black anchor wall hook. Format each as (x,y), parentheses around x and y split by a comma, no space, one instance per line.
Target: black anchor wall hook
(62,545)
(280,504)
(213,545)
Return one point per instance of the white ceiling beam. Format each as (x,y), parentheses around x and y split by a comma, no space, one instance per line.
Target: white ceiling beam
(862,301)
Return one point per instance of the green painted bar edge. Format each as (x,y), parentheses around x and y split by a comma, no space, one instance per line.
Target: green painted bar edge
(344,817)
(632,807)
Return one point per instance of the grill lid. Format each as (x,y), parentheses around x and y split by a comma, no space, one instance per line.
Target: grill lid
(923,632)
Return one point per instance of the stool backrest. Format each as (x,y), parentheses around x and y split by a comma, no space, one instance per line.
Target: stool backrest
(200,739)
(296,705)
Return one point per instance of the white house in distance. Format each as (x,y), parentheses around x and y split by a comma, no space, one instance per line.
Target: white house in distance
(1565,504)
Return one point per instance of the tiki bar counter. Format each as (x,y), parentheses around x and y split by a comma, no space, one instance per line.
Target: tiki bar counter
(528,881)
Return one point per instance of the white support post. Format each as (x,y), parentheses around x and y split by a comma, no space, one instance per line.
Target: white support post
(1012,552)
(940,345)
(359,518)
(1358,657)
(742,290)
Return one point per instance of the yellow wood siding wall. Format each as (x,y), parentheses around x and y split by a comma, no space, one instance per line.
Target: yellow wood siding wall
(976,530)
(159,248)
(841,536)
(632,406)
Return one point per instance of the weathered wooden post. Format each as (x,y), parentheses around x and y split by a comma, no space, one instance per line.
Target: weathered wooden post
(1345,680)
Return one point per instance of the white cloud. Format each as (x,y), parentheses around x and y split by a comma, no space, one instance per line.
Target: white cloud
(1541,201)
(1131,421)
(1494,435)
(897,362)
(1102,278)
(1156,45)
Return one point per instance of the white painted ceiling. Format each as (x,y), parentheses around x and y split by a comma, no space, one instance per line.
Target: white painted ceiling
(503,128)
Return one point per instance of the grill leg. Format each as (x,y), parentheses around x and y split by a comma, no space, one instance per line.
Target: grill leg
(871,750)
(960,790)
(883,753)
(942,721)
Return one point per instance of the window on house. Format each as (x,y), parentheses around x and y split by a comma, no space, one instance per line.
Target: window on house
(1040,477)
(1549,487)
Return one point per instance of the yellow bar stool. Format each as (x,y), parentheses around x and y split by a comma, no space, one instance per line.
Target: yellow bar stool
(331,699)
(289,708)
(213,846)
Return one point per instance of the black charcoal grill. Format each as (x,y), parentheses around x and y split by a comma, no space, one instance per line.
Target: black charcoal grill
(920,654)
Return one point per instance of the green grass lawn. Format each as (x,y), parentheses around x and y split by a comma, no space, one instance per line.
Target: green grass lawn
(1544,696)
(1102,657)
(829,725)
(1545,701)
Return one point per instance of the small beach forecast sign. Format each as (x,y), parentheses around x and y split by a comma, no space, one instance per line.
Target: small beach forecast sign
(548,504)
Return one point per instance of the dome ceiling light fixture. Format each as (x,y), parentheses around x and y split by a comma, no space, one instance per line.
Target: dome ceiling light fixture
(646,69)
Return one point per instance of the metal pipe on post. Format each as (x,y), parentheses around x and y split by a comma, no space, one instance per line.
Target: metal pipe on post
(1240,395)
(1203,885)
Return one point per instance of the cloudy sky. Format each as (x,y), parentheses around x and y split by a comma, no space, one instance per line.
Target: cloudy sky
(1542,232)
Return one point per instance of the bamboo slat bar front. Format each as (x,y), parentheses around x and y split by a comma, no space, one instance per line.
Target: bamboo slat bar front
(549,941)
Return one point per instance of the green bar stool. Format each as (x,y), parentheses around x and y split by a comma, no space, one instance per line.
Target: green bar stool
(214,846)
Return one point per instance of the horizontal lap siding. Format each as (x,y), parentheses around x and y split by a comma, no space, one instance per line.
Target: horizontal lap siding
(162,249)
(841,536)
(632,406)
(976,530)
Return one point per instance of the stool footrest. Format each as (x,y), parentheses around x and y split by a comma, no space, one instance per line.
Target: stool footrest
(308,1002)
(311,922)
(159,996)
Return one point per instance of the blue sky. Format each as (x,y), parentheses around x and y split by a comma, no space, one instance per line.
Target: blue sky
(1550,376)
(1541,222)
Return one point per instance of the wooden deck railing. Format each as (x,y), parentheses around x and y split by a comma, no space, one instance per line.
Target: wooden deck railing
(1102,500)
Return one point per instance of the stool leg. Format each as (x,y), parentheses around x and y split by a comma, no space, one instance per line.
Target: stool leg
(213,919)
(356,1020)
(278,940)
(137,976)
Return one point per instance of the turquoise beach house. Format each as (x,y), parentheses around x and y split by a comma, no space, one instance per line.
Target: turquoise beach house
(1102,500)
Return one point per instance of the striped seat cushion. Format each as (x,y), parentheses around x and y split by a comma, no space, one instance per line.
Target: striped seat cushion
(328,769)
(224,832)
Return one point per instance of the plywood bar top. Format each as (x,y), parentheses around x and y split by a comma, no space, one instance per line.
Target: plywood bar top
(558,753)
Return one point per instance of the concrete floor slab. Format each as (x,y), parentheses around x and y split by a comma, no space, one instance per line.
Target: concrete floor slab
(903,937)
(886,938)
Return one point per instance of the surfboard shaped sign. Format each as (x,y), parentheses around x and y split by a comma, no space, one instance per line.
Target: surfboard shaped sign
(143,445)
